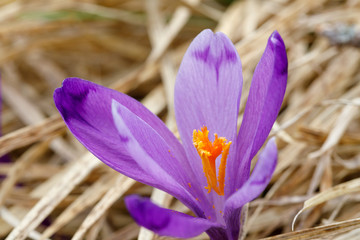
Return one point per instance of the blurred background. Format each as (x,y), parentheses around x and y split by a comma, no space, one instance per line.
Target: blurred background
(52,188)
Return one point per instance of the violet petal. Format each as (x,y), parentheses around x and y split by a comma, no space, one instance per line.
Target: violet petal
(256,184)
(87,110)
(152,154)
(87,106)
(263,105)
(207,92)
(164,221)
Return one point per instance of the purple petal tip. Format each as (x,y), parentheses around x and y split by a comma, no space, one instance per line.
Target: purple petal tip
(276,39)
(216,48)
(69,96)
(277,44)
(164,221)
(140,209)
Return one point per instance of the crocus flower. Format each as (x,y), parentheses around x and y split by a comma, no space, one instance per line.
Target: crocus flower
(209,170)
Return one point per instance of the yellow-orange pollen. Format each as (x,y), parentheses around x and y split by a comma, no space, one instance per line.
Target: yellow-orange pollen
(208,152)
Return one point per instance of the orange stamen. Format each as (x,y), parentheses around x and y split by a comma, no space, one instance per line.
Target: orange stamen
(208,152)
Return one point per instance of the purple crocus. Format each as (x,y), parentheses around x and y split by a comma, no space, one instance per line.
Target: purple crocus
(209,170)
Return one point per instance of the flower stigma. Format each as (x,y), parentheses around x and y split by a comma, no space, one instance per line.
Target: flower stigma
(208,152)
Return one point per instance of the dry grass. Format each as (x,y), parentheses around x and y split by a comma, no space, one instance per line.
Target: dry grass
(53,188)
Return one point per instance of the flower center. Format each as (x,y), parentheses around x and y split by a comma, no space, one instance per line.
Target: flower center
(208,152)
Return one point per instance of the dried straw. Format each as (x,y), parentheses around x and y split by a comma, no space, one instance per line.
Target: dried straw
(54,189)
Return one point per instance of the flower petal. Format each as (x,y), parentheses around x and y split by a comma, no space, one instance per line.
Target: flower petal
(251,189)
(153,155)
(207,92)
(257,182)
(87,110)
(263,105)
(165,222)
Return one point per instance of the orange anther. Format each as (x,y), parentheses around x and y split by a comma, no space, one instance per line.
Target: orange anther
(208,152)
